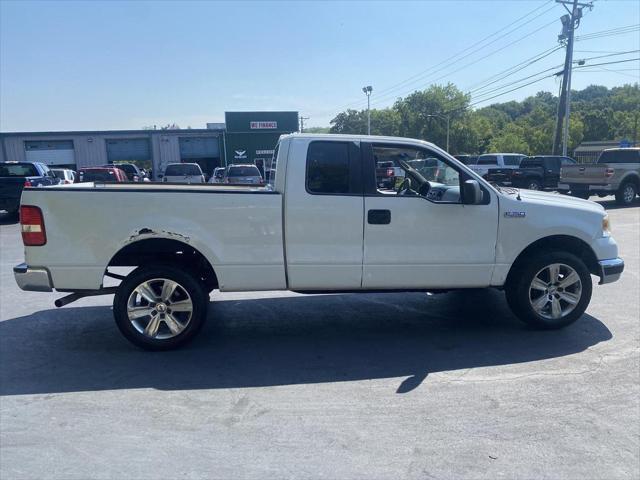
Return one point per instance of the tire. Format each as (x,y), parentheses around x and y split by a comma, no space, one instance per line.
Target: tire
(157,324)
(526,298)
(626,194)
(534,185)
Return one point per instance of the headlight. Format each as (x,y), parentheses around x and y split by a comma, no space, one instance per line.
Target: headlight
(606,226)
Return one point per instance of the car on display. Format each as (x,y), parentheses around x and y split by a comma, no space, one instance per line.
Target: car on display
(218,175)
(616,172)
(14,176)
(540,172)
(324,226)
(64,175)
(131,170)
(183,173)
(101,174)
(496,160)
(467,159)
(247,174)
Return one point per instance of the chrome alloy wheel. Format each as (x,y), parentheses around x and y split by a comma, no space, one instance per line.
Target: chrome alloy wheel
(159,308)
(555,291)
(628,194)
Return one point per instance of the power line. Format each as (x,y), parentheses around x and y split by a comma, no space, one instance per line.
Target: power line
(379,100)
(512,90)
(420,75)
(512,70)
(448,61)
(549,76)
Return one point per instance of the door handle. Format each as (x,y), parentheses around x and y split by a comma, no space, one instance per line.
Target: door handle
(379,217)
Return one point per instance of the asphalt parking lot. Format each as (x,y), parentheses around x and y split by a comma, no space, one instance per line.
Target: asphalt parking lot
(280,385)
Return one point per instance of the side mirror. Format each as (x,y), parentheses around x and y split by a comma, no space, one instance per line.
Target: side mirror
(160,175)
(471,192)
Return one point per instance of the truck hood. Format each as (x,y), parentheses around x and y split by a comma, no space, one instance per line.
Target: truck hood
(558,200)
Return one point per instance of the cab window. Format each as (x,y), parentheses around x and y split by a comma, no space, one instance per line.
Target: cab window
(412,171)
(333,168)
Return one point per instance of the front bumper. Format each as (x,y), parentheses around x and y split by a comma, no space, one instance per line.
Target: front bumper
(610,270)
(32,279)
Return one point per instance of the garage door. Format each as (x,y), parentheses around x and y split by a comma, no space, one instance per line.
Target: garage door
(128,150)
(50,152)
(199,147)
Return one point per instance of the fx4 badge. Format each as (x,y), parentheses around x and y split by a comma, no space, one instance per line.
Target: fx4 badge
(515,214)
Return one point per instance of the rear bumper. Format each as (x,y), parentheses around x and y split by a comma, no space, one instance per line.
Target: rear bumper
(592,187)
(610,270)
(32,279)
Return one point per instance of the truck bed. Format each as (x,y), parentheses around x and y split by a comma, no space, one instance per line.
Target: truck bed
(87,223)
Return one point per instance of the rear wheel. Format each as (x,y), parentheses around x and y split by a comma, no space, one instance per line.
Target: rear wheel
(626,194)
(533,185)
(549,290)
(160,307)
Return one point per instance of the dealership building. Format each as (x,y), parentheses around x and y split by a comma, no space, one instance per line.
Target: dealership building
(245,137)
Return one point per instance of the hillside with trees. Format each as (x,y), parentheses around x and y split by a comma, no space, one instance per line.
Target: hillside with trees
(597,113)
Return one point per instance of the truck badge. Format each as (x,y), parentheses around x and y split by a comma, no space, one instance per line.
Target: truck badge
(515,214)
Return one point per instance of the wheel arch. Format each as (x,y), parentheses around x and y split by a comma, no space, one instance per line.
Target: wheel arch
(565,243)
(632,177)
(156,251)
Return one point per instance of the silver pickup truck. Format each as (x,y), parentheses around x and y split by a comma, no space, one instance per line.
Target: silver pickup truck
(617,172)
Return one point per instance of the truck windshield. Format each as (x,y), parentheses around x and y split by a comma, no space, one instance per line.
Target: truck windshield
(18,170)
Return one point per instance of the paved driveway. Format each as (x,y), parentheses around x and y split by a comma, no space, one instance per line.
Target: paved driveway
(280,385)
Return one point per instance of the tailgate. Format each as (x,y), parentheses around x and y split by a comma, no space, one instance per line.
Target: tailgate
(10,189)
(585,174)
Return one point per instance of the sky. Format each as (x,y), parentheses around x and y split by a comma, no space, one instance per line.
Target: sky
(126,65)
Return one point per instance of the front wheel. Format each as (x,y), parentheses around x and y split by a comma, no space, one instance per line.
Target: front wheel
(626,194)
(550,290)
(160,307)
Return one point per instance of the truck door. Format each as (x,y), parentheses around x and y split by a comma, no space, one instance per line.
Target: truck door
(430,240)
(324,215)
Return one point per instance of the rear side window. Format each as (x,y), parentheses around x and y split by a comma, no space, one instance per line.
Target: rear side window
(487,160)
(620,156)
(512,160)
(531,162)
(329,168)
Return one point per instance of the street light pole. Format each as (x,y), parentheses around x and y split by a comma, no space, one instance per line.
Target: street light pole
(444,117)
(367,91)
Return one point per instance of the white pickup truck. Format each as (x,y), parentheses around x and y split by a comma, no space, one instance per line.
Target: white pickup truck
(323,225)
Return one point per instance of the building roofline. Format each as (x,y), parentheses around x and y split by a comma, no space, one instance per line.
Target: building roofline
(111,132)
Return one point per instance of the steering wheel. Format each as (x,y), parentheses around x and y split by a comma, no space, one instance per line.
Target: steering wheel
(405,187)
(416,176)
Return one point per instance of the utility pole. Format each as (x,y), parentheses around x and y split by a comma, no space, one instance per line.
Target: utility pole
(570,22)
(302,119)
(367,91)
(446,117)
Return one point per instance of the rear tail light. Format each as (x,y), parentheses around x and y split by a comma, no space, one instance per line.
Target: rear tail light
(27,183)
(389,172)
(32,226)
(609,172)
